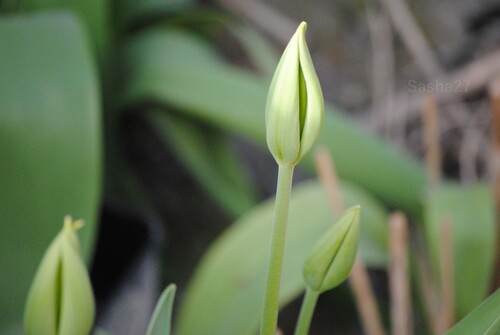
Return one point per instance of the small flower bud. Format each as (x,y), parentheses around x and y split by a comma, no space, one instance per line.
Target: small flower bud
(60,300)
(333,257)
(294,109)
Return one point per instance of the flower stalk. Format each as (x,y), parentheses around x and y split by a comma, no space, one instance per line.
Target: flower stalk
(294,114)
(306,312)
(271,302)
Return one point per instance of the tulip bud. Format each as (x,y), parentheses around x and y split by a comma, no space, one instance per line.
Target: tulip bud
(333,257)
(294,109)
(60,300)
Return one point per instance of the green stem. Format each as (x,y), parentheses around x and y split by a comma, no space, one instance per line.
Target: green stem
(271,302)
(306,312)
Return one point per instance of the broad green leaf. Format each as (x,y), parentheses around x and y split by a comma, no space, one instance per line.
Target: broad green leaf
(483,320)
(207,155)
(50,145)
(160,323)
(216,169)
(131,13)
(225,295)
(261,52)
(232,99)
(471,211)
(93,13)
(180,48)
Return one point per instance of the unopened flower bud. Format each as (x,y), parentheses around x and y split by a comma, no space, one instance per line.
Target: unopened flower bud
(333,257)
(60,300)
(294,109)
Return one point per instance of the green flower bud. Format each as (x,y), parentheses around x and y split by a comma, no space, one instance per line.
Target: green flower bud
(333,257)
(60,300)
(294,109)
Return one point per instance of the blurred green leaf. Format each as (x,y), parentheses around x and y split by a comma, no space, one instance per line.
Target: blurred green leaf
(261,52)
(50,142)
(472,214)
(483,320)
(131,13)
(93,13)
(207,155)
(161,72)
(225,295)
(173,46)
(202,149)
(160,323)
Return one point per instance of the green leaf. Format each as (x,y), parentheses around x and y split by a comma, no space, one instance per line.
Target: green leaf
(207,155)
(471,211)
(203,87)
(94,14)
(131,13)
(50,142)
(261,52)
(483,320)
(225,295)
(160,323)
(215,169)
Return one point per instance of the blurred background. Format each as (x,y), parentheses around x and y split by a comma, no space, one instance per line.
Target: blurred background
(146,119)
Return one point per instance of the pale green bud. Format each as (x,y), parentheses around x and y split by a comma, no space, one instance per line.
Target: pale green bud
(294,109)
(60,300)
(333,257)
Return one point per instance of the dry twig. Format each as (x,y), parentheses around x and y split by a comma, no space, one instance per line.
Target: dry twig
(494,91)
(365,300)
(413,38)
(426,286)
(328,176)
(399,283)
(430,118)
(463,83)
(382,57)
(447,307)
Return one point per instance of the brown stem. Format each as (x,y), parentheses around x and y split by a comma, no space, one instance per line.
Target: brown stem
(327,173)
(401,311)
(446,268)
(365,299)
(430,118)
(468,80)
(426,286)
(494,91)
(413,38)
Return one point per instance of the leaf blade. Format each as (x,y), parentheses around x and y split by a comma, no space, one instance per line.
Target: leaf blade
(471,212)
(50,142)
(483,320)
(161,320)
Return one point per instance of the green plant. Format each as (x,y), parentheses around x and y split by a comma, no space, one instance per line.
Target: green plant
(329,264)
(103,60)
(294,113)
(50,126)
(60,300)
(161,320)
